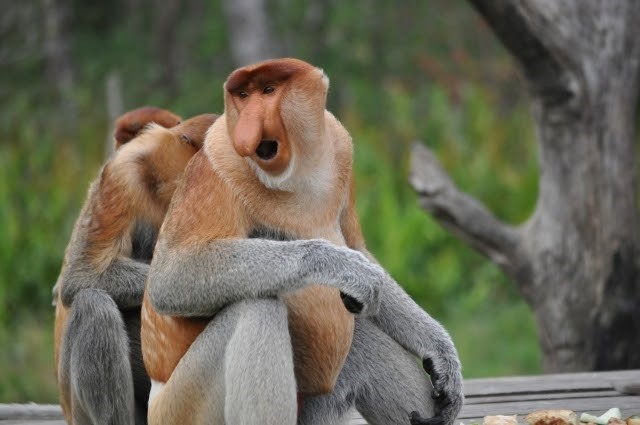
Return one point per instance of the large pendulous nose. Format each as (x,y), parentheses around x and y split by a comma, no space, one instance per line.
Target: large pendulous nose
(248,132)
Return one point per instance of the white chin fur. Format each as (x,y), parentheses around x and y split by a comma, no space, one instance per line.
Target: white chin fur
(279,182)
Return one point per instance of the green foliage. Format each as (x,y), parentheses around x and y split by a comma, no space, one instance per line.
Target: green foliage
(452,89)
(492,327)
(42,183)
(27,353)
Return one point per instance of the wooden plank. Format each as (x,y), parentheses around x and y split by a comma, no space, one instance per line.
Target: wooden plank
(594,392)
(585,381)
(30,411)
(38,414)
(539,396)
(629,405)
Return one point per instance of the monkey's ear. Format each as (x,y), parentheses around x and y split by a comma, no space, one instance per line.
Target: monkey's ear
(129,125)
(194,130)
(122,134)
(186,139)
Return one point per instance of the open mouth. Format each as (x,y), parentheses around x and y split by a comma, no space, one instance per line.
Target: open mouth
(267,149)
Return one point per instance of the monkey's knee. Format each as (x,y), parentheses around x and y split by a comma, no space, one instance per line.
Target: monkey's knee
(95,360)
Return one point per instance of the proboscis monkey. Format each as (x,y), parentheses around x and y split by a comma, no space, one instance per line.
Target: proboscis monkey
(258,224)
(97,329)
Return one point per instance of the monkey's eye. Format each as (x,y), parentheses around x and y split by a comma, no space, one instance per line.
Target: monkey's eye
(268,89)
(243,94)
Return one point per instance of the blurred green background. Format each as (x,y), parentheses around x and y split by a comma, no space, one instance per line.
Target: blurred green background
(429,71)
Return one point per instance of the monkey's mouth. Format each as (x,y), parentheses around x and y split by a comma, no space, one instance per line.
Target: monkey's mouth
(267,149)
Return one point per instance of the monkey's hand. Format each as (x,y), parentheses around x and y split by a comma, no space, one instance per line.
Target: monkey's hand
(447,392)
(358,278)
(419,333)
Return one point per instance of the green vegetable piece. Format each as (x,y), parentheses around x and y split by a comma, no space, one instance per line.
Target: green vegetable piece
(614,412)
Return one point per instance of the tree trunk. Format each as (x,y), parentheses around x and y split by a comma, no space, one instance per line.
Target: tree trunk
(57,55)
(166,45)
(250,35)
(576,260)
(115,107)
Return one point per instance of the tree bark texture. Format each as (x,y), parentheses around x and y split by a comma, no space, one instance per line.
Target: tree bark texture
(576,259)
(57,54)
(251,37)
(166,47)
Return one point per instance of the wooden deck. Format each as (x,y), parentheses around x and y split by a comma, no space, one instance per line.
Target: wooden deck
(593,392)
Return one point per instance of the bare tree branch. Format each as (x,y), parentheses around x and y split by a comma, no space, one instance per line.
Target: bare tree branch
(576,258)
(58,55)
(462,215)
(251,36)
(535,34)
(115,106)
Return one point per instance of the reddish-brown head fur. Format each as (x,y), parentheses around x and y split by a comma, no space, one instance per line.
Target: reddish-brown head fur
(128,125)
(139,181)
(256,97)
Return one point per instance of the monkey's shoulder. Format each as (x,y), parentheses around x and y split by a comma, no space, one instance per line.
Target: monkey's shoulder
(204,206)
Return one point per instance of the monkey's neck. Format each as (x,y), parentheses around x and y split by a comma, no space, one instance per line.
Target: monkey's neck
(311,172)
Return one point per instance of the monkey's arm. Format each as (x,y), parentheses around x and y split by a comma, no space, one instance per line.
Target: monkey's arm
(413,328)
(199,282)
(409,325)
(124,280)
(98,254)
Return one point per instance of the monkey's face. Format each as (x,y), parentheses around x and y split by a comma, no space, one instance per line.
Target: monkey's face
(274,109)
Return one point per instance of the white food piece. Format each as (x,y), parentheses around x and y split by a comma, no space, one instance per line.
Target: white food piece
(501,420)
(552,417)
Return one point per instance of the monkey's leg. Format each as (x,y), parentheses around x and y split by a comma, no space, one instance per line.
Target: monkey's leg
(379,378)
(259,377)
(238,371)
(94,361)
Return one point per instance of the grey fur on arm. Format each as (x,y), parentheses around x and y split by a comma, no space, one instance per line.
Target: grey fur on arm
(413,328)
(124,280)
(199,282)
